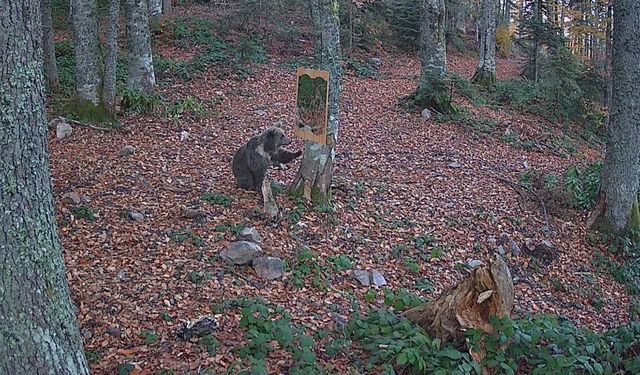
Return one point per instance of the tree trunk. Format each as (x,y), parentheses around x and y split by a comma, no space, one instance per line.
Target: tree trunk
(618,201)
(487,291)
(37,321)
(155,9)
(49,51)
(139,57)
(316,169)
(166,8)
(608,53)
(485,74)
(433,49)
(85,28)
(111,58)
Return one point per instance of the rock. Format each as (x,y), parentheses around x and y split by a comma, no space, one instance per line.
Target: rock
(127,150)
(515,249)
(250,234)
(501,250)
(122,276)
(192,213)
(241,252)
(473,263)
(197,328)
(63,128)
(492,241)
(364,277)
(376,61)
(377,278)
(547,244)
(426,114)
(454,164)
(184,135)
(136,216)
(269,268)
(71,198)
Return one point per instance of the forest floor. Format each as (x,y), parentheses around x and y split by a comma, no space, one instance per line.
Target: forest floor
(414,198)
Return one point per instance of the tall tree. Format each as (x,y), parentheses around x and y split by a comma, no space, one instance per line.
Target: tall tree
(50,65)
(155,9)
(617,208)
(166,7)
(85,30)
(316,169)
(37,322)
(139,57)
(486,71)
(111,57)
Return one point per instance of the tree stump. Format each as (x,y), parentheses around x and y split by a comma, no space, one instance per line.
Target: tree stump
(487,291)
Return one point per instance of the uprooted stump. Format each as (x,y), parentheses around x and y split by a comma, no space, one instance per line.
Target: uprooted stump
(487,291)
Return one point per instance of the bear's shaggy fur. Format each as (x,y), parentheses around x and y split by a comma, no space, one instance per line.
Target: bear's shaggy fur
(251,161)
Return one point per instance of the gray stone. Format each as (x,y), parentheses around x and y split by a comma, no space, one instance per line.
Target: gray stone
(63,128)
(364,277)
(515,249)
(547,244)
(250,234)
(269,268)
(71,198)
(376,61)
(184,135)
(136,216)
(122,276)
(501,250)
(241,252)
(377,278)
(454,164)
(473,263)
(127,150)
(426,114)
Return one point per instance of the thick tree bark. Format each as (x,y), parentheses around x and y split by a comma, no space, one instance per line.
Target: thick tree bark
(85,29)
(433,48)
(139,57)
(487,291)
(618,201)
(50,65)
(38,332)
(166,8)
(316,169)
(111,58)
(155,9)
(486,71)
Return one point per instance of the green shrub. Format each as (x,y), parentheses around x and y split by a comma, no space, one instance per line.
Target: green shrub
(216,198)
(583,184)
(136,102)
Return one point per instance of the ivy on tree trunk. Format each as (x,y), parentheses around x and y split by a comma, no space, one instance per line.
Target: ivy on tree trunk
(38,331)
(314,177)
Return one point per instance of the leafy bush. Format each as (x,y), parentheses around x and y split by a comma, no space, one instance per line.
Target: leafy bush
(362,69)
(217,198)
(136,102)
(503,41)
(584,184)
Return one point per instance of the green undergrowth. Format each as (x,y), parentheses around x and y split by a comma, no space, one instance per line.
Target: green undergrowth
(393,345)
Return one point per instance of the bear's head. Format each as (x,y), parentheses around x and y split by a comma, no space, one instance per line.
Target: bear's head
(274,138)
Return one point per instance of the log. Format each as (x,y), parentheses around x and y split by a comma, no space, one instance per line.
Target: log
(487,291)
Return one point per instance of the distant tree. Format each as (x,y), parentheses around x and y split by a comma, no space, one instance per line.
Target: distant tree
(141,76)
(617,207)
(38,331)
(166,7)
(85,31)
(486,71)
(111,57)
(316,169)
(49,51)
(537,31)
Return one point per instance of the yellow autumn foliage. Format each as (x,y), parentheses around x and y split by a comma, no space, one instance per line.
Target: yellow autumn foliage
(503,41)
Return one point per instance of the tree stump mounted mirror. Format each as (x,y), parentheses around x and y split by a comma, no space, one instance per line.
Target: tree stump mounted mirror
(312,99)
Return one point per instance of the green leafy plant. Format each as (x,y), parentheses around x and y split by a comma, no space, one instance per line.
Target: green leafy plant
(149,336)
(136,102)
(584,184)
(216,198)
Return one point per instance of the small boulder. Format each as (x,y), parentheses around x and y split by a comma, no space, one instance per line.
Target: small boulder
(71,198)
(241,252)
(136,216)
(473,263)
(501,250)
(63,128)
(377,278)
(362,276)
(515,249)
(455,164)
(269,268)
(202,326)
(127,150)
(426,114)
(184,135)
(250,234)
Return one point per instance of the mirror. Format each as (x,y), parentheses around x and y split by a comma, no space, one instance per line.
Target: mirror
(312,97)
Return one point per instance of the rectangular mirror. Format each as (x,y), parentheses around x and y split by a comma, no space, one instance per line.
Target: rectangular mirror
(312,103)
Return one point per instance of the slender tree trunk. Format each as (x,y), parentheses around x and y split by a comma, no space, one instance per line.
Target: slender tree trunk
(50,65)
(486,71)
(617,209)
(166,8)
(85,29)
(433,48)
(38,332)
(316,169)
(139,58)
(111,58)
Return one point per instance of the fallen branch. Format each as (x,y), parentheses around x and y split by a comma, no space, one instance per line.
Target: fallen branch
(75,122)
(516,185)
